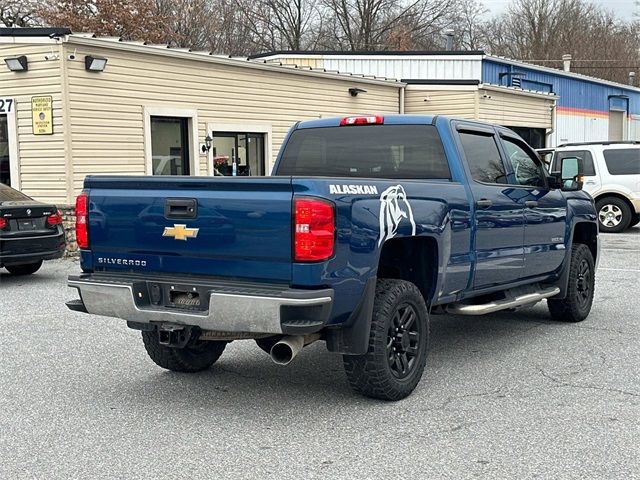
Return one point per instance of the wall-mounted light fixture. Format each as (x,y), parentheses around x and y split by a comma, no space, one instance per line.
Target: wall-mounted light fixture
(94,64)
(355,91)
(17,64)
(207,143)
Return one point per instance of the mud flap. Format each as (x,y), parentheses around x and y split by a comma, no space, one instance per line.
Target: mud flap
(353,337)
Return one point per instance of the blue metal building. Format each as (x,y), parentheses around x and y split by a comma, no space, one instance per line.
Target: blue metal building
(587,108)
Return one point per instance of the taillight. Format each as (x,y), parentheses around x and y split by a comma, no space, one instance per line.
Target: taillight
(3,223)
(314,234)
(367,120)
(82,220)
(55,219)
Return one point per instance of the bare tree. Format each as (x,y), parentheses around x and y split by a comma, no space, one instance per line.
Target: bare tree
(541,31)
(19,13)
(131,19)
(376,24)
(282,24)
(469,25)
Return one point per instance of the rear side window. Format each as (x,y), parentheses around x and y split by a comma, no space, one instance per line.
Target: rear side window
(368,151)
(8,194)
(585,155)
(483,157)
(623,161)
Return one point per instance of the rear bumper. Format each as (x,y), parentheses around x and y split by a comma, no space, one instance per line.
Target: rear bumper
(230,307)
(18,250)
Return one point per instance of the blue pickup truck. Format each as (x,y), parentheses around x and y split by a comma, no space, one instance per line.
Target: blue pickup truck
(367,227)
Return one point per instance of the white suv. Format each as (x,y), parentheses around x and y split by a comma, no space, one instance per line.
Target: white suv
(612,178)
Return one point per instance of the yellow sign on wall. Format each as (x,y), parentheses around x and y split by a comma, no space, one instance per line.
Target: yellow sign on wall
(42,115)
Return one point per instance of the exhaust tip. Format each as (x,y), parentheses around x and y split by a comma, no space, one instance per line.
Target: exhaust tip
(282,354)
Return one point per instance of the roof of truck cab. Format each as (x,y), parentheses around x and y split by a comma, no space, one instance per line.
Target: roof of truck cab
(388,120)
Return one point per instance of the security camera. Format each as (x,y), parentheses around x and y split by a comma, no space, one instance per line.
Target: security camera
(71,56)
(51,56)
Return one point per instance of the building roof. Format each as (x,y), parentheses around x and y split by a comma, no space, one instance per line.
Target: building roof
(480,54)
(40,35)
(307,53)
(34,32)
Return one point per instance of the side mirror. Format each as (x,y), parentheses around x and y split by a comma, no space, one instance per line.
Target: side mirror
(570,177)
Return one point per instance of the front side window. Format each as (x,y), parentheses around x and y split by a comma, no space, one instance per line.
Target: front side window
(170,145)
(623,161)
(483,157)
(587,160)
(525,169)
(368,151)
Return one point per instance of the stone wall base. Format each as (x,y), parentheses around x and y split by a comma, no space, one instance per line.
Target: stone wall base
(69,224)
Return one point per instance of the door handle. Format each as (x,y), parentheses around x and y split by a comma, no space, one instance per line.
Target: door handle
(484,203)
(531,204)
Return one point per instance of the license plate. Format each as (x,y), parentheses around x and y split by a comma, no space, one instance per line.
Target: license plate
(185,299)
(26,225)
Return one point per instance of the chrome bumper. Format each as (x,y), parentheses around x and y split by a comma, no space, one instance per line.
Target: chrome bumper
(230,310)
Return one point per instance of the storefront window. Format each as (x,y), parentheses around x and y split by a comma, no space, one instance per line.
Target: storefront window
(238,154)
(5,176)
(170,146)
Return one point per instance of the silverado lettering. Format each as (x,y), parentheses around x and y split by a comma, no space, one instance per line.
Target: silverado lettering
(122,261)
(456,216)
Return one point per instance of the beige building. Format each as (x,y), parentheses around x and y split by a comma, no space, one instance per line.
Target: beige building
(530,114)
(150,109)
(73,105)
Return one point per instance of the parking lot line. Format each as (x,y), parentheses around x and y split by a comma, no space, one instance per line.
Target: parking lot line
(618,269)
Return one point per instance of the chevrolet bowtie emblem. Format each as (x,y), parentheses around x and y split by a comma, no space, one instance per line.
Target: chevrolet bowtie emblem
(180,232)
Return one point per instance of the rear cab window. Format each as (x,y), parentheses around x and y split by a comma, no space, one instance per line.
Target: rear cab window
(622,161)
(366,151)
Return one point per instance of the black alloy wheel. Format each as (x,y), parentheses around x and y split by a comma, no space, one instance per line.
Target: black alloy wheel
(403,341)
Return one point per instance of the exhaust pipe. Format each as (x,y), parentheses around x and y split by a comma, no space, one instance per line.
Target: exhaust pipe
(289,347)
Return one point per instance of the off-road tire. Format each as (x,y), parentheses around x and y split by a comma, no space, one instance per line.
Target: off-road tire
(24,268)
(619,206)
(576,306)
(372,374)
(198,355)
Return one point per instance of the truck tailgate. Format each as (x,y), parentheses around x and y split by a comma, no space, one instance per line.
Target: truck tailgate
(238,227)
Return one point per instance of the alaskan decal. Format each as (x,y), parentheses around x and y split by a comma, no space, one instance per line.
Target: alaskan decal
(180,232)
(353,190)
(394,206)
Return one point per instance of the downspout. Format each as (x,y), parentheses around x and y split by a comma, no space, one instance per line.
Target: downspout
(553,125)
(401,95)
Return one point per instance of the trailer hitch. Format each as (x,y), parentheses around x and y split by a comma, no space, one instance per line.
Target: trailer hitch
(176,336)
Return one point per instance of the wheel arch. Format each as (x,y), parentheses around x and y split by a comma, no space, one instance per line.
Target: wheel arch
(414,259)
(620,196)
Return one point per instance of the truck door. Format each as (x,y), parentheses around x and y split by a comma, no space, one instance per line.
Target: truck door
(545,210)
(499,213)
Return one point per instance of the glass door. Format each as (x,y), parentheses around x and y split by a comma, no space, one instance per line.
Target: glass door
(170,146)
(5,170)
(238,154)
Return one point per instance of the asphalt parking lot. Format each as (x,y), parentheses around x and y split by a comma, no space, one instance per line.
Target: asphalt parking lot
(508,395)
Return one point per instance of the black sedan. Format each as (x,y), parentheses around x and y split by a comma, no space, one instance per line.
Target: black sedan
(30,232)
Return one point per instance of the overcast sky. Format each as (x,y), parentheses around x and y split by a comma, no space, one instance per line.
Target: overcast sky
(623,8)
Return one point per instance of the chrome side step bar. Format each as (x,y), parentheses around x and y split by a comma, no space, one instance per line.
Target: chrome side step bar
(513,300)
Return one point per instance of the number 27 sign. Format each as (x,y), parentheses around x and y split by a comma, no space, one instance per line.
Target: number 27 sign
(6,105)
